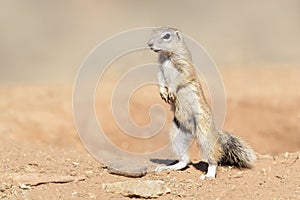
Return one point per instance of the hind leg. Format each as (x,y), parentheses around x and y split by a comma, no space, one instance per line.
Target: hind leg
(211,152)
(180,141)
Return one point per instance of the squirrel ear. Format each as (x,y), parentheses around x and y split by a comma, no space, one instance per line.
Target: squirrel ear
(178,35)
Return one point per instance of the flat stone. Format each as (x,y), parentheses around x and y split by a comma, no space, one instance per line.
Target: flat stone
(138,188)
(124,172)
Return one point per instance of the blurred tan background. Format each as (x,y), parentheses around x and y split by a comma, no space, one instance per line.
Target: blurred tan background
(46,41)
(256,45)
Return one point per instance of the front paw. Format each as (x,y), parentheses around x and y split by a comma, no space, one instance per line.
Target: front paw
(171,97)
(164,94)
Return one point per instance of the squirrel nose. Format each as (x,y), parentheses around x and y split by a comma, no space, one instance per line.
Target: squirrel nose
(150,44)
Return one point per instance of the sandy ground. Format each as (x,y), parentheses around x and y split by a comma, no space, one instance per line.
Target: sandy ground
(38,137)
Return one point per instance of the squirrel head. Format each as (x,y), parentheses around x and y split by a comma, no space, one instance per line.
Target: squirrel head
(166,40)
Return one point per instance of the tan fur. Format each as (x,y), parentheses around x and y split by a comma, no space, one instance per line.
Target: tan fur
(179,85)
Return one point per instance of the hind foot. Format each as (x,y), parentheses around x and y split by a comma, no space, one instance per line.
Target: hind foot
(211,172)
(180,165)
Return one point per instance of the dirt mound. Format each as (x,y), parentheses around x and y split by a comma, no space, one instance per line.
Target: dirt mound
(271,177)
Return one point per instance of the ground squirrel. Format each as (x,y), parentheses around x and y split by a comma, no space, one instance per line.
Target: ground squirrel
(179,85)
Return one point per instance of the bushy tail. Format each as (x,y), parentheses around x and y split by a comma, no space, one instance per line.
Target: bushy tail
(236,152)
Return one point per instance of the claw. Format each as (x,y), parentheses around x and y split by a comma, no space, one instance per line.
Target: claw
(171,97)
(164,96)
(204,176)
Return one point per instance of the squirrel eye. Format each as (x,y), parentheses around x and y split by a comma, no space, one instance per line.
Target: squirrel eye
(166,36)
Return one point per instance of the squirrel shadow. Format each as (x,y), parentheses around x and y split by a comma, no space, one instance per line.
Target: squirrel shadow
(202,166)
(164,161)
